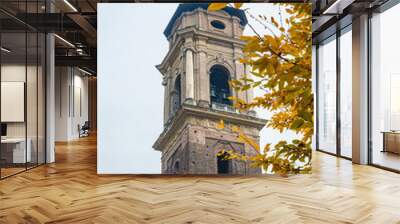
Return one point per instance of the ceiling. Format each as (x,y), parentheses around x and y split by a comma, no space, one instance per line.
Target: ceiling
(75,23)
(332,15)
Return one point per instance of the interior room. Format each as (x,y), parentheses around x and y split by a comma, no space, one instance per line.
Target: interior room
(385,89)
(71,100)
(26,93)
(337,85)
(53,144)
(22,100)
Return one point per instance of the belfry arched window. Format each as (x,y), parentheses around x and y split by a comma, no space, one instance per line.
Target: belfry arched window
(219,85)
(223,163)
(176,94)
(176,167)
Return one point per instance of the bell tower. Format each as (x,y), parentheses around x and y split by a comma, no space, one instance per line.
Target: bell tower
(204,53)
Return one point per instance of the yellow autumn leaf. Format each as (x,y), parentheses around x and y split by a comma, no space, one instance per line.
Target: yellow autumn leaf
(244,139)
(217,6)
(280,64)
(267,147)
(238,5)
(221,124)
(274,22)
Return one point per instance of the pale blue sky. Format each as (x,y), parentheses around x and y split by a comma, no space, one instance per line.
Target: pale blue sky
(131,43)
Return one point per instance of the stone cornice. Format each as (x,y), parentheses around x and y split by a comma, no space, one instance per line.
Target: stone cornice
(210,35)
(218,14)
(195,111)
(176,47)
(197,34)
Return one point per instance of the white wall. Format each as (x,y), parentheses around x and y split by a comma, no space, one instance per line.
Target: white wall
(80,82)
(62,82)
(70,88)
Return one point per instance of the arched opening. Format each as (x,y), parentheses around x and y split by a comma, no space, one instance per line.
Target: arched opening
(223,164)
(176,94)
(176,167)
(219,85)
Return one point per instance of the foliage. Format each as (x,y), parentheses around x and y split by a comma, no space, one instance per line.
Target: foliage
(281,66)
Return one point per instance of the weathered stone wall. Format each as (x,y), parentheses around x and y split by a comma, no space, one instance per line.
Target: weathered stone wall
(196,149)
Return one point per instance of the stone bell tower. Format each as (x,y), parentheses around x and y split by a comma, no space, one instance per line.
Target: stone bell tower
(204,53)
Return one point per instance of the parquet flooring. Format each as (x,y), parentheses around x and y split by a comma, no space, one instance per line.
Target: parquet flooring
(70,191)
(11,170)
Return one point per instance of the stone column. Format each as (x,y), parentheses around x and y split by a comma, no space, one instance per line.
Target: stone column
(239,69)
(189,77)
(166,97)
(360,90)
(249,93)
(50,92)
(236,30)
(203,75)
(202,20)
(50,98)
(242,95)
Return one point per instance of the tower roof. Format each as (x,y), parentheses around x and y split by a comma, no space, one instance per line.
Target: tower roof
(188,7)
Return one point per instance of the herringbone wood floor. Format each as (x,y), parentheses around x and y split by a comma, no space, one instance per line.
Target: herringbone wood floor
(69,191)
